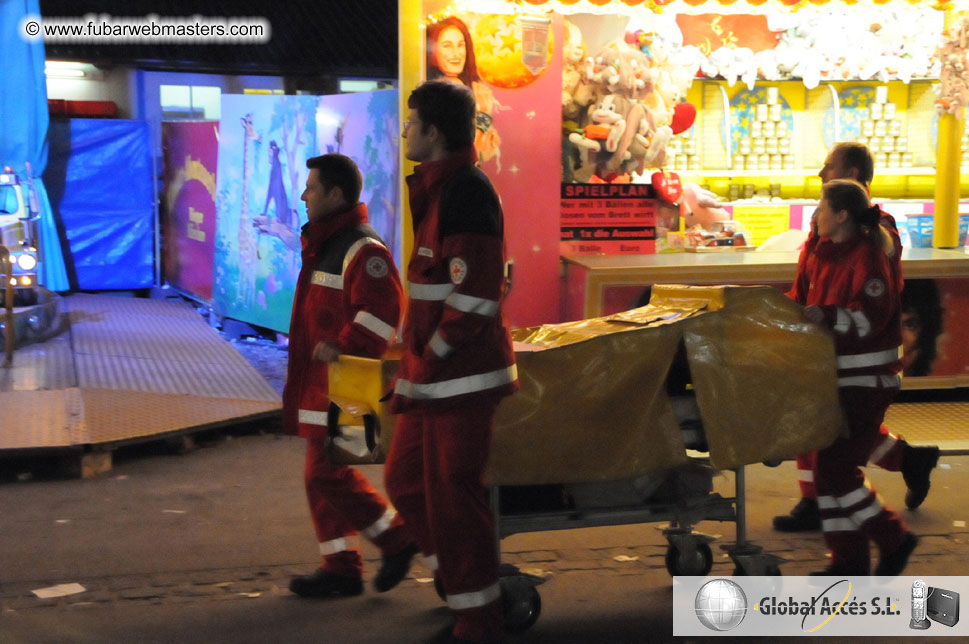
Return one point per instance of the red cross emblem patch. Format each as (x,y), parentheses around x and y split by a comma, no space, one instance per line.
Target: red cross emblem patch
(459,270)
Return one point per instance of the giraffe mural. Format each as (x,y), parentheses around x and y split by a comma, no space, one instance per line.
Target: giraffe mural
(246,292)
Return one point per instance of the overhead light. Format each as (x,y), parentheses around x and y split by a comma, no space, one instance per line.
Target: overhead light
(71,69)
(63,73)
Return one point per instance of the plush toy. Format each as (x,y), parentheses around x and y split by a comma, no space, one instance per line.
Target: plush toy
(607,123)
(622,136)
(620,69)
(700,207)
(577,94)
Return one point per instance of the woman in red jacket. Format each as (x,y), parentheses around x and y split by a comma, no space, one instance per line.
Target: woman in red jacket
(853,291)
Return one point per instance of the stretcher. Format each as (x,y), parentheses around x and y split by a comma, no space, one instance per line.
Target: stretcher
(626,417)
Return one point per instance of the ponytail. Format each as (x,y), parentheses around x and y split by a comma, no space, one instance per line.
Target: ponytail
(847,194)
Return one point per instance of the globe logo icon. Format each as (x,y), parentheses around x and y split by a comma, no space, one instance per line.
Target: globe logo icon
(720,605)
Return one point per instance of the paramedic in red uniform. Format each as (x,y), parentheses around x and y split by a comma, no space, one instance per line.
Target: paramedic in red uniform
(855,293)
(853,161)
(348,300)
(457,363)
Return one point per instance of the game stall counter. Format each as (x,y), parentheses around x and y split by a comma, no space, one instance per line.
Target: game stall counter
(937,281)
(663,108)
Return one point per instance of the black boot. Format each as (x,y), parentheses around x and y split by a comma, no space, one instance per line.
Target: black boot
(325,584)
(917,465)
(805,517)
(394,568)
(892,564)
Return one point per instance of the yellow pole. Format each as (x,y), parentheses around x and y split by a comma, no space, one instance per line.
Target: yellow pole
(410,48)
(948,165)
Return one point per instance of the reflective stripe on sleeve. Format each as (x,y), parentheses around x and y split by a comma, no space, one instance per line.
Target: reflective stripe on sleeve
(372,323)
(457,386)
(333,546)
(355,248)
(329,280)
(311,417)
(440,348)
(872,359)
(380,525)
(470,304)
(861,323)
(433,292)
(843,322)
(464,601)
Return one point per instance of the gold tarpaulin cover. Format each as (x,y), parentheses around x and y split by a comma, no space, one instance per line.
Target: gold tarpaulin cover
(593,404)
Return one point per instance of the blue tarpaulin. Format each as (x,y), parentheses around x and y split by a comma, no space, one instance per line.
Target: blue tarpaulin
(99,176)
(23,125)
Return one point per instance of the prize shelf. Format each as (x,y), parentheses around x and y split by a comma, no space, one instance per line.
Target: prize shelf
(915,172)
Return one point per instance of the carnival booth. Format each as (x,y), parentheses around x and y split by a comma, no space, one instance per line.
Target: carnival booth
(637,142)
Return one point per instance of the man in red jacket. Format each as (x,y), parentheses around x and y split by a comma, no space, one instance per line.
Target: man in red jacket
(348,299)
(457,363)
(890,452)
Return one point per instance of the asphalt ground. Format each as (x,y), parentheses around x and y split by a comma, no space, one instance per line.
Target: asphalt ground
(199,547)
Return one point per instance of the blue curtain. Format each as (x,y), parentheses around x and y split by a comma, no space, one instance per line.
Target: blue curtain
(23,125)
(100,178)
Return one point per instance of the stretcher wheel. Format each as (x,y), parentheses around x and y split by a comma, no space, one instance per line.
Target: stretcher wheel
(522,605)
(699,561)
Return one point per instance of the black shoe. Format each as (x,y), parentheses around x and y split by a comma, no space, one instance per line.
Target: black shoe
(394,568)
(840,571)
(805,517)
(892,564)
(325,584)
(916,468)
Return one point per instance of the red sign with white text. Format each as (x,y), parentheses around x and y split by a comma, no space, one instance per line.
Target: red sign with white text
(608,218)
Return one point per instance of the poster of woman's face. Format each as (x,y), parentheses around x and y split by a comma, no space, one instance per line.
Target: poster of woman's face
(450,52)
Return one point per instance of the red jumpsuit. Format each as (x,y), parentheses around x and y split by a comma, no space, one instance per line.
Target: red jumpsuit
(888,450)
(457,364)
(858,292)
(349,294)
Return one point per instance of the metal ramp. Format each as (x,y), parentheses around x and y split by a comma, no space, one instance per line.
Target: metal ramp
(126,369)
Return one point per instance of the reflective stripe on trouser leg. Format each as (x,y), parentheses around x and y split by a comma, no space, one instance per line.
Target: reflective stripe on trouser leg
(333,546)
(404,477)
(476,599)
(851,513)
(379,526)
(889,451)
(461,524)
(341,502)
(805,474)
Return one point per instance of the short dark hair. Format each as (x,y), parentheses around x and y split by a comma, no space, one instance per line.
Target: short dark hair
(857,156)
(339,170)
(447,106)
